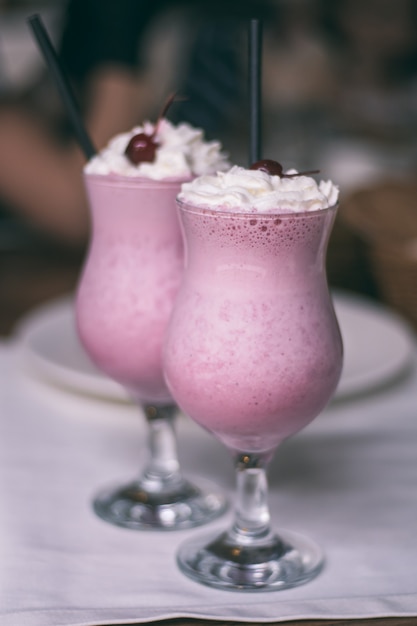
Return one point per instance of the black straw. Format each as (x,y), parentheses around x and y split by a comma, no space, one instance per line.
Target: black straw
(62,83)
(255,74)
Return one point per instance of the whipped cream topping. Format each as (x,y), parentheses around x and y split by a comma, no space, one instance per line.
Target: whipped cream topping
(182,153)
(242,190)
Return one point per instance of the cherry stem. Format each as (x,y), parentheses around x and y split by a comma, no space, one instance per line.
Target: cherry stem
(169,101)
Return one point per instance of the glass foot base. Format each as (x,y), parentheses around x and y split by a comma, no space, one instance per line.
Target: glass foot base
(132,506)
(288,560)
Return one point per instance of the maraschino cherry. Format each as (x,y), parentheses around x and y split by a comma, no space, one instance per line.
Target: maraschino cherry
(273,168)
(142,147)
(269,166)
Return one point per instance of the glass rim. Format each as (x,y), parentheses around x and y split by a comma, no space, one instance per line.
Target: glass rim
(188,207)
(114,179)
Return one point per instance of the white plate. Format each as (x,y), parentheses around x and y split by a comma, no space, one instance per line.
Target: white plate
(378,344)
(378,347)
(50,348)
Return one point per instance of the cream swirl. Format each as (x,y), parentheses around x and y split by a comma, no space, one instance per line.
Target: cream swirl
(182,153)
(256,191)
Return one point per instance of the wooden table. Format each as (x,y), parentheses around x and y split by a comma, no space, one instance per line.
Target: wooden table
(31,273)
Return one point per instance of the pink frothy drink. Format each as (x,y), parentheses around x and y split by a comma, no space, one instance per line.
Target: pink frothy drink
(135,259)
(253,352)
(129,283)
(124,300)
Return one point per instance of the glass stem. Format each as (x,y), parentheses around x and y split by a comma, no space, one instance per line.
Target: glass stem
(162,468)
(252,517)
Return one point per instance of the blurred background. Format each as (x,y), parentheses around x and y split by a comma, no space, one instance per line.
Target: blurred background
(339,95)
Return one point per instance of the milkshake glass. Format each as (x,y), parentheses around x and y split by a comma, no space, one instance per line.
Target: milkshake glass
(124,300)
(253,353)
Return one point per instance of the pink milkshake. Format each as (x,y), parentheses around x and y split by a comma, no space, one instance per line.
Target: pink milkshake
(124,300)
(253,351)
(135,259)
(128,286)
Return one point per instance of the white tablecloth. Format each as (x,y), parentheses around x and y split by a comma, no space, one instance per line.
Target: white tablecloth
(349,481)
